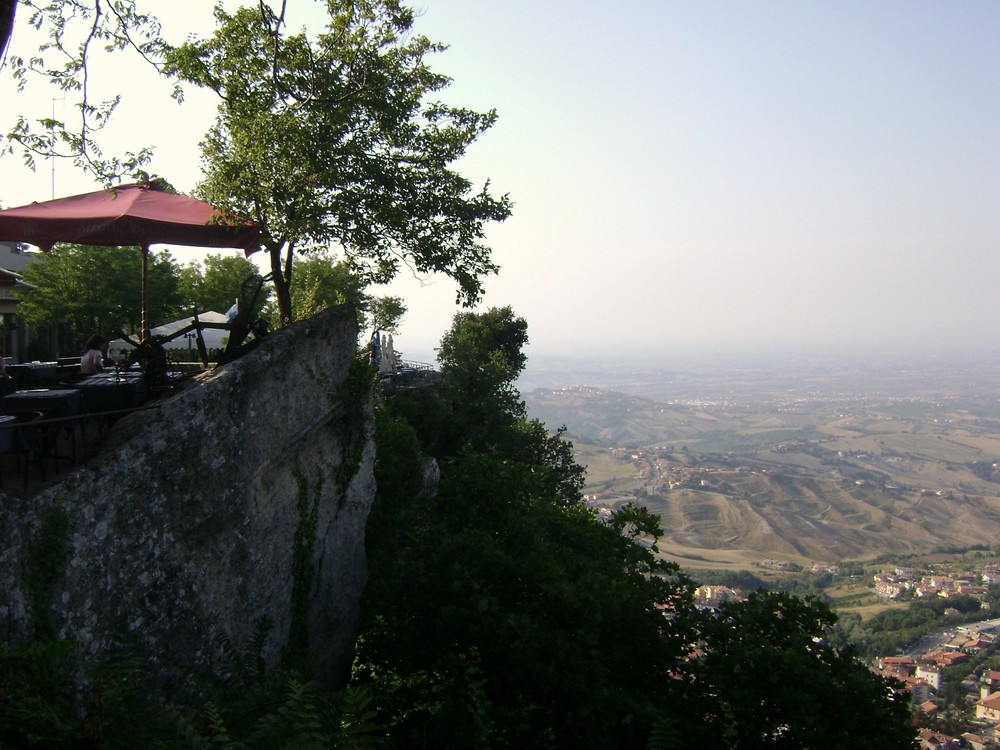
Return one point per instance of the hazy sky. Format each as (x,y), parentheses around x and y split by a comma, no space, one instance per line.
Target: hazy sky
(728,174)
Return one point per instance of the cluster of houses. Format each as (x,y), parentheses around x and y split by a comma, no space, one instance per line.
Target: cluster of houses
(892,583)
(682,476)
(667,476)
(923,677)
(930,739)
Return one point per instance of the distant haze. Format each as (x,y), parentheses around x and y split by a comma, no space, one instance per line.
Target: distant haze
(703,175)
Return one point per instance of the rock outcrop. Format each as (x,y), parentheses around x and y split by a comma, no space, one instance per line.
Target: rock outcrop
(242,497)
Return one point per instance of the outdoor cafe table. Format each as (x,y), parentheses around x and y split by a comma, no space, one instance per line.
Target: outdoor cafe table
(110,391)
(34,374)
(54,403)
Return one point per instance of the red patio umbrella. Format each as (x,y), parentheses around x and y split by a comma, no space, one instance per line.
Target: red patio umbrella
(141,215)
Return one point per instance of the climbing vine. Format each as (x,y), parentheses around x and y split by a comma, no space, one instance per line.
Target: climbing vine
(353,398)
(44,564)
(350,402)
(307,504)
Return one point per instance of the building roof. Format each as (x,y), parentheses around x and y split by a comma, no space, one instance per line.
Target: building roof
(991,701)
(10,278)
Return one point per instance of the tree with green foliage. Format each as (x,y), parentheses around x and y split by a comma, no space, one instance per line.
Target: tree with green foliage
(215,282)
(477,402)
(495,617)
(500,612)
(490,345)
(76,30)
(481,356)
(322,282)
(337,141)
(97,289)
(385,313)
(769,679)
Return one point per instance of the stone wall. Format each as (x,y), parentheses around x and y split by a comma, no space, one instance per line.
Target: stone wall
(244,496)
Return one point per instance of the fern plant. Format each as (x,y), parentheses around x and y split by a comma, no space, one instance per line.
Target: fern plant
(665,734)
(358,728)
(238,704)
(39,707)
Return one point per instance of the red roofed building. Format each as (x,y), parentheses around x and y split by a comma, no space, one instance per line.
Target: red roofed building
(896,666)
(991,679)
(948,658)
(931,740)
(929,709)
(988,708)
(976,742)
(974,645)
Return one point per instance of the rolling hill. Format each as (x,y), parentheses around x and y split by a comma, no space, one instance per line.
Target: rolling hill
(804,478)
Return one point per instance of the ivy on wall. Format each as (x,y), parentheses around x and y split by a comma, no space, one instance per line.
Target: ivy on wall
(44,564)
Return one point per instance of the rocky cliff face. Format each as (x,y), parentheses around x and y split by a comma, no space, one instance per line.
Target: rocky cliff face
(242,497)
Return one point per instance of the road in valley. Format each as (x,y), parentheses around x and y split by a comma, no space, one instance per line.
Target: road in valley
(937,638)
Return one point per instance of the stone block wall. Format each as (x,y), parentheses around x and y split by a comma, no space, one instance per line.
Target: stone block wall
(242,497)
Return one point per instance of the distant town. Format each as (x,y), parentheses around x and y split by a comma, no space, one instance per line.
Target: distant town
(965,657)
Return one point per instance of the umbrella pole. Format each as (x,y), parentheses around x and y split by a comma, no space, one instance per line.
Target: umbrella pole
(144,334)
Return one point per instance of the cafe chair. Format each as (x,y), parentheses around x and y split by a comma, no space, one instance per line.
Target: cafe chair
(11,440)
(32,445)
(52,435)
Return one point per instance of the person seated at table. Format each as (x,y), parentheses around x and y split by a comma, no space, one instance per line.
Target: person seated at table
(95,350)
